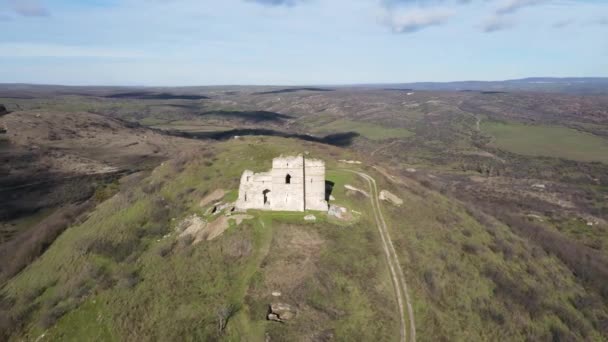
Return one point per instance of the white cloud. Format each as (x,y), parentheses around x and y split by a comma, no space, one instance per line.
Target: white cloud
(511,6)
(416,19)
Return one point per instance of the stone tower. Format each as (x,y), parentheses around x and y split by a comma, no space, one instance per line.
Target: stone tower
(293,184)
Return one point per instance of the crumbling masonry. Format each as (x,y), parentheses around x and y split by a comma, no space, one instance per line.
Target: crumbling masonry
(293,184)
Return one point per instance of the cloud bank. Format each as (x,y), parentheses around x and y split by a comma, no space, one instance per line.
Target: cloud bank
(413,20)
(512,6)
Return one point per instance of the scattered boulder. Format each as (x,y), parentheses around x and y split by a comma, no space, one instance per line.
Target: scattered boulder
(385,195)
(310,218)
(339,212)
(332,198)
(280,312)
(201,230)
(350,161)
(276,294)
(3,110)
(274,317)
(539,186)
(410,170)
(219,207)
(191,225)
(352,188)
(215,196)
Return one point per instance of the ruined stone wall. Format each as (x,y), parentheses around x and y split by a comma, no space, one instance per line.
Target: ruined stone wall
(251,191)
(288,183)
(293,184)
(315,184)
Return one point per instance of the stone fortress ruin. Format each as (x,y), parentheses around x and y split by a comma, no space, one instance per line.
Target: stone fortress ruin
(293,184)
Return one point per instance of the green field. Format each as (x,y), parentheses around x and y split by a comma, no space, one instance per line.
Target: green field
(550,141)
(368,130)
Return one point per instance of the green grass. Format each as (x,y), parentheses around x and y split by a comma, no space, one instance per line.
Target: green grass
(473,279)
(123,273)
(550,141)
(368,130)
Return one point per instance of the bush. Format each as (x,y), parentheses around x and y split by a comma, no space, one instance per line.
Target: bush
(470,248)
(431,282)
(117,251)
(515,290)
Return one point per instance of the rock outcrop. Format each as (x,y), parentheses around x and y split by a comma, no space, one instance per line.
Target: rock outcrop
(280,312)
(310,218)
(352,188)
(3,110)
(385,195)
(341,213)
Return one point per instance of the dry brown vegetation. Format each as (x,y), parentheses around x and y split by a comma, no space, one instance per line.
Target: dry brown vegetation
(31,243)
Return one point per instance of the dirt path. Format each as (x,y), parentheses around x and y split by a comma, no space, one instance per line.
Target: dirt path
(396,271)
(383,147)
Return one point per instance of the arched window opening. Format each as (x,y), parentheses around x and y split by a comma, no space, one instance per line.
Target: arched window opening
(266,199)
(288,179)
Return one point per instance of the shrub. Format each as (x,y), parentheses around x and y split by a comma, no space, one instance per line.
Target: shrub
(117,251)
(431,282)
(515,290)
(470,248)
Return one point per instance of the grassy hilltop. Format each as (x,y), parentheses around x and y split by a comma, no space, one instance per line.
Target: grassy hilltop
(124,274)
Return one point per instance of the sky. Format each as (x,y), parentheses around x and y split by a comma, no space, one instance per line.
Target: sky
(298,42)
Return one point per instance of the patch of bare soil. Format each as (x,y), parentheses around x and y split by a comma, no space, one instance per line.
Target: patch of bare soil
(215,196)
(201,230)
(219,226)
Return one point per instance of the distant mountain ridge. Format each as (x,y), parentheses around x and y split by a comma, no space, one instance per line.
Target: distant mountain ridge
(570,85)
(575,85)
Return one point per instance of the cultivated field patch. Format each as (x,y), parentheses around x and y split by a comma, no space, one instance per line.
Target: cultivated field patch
(550,141)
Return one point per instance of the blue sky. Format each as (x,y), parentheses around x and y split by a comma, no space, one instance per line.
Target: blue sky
(288,42)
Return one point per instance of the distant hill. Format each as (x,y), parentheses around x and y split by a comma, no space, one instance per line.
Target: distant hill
(574,85)
(570,85)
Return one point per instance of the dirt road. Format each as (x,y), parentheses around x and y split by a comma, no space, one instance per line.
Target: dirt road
(399,284)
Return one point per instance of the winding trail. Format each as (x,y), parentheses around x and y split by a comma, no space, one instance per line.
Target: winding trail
(384,147)
(398,279)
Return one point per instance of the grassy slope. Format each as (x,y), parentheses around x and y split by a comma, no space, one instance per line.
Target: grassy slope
(115,277)
(551,141)
(473,279)
(118,276)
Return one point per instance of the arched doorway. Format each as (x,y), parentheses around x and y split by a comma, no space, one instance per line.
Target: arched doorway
(288,179)
(266,197)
